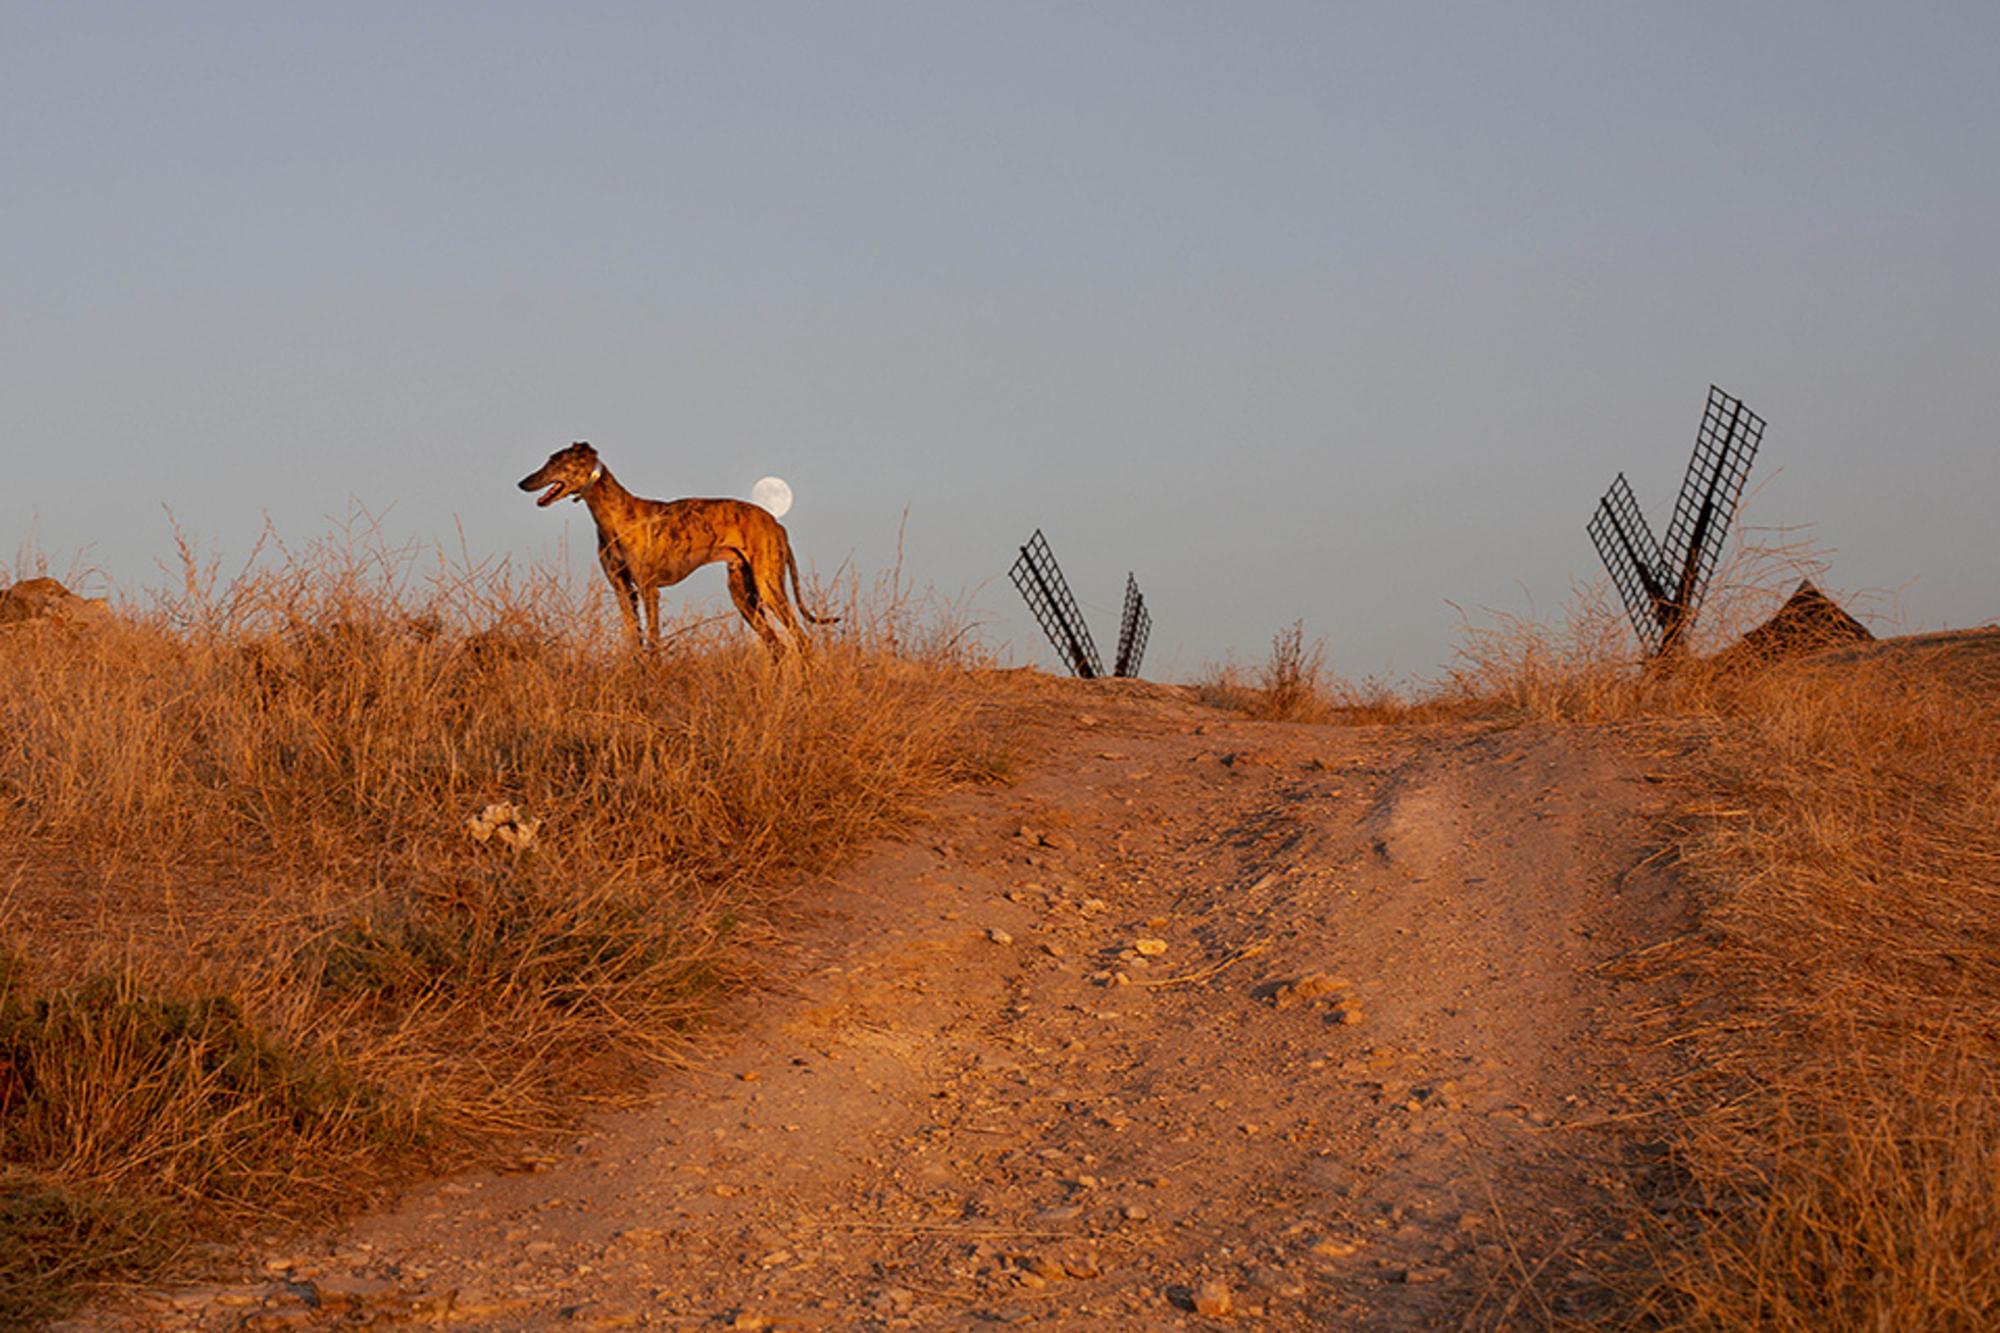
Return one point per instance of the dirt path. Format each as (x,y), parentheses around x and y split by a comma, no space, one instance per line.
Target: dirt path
(990,1099)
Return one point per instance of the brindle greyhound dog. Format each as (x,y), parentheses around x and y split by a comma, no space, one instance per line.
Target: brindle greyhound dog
(646,545)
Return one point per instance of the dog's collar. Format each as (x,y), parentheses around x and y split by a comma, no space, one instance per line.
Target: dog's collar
(596,474)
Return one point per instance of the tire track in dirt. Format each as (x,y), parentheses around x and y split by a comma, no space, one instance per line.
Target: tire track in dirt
(979,1102)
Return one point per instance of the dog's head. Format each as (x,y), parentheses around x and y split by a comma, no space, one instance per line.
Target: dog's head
(570,472)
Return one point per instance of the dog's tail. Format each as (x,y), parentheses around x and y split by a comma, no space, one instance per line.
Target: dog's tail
(792,568)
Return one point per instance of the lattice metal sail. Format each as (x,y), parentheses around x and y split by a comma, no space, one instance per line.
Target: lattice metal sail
(1663,584)
(1724,448)
(1626,545)
(1047,593)
(1134,627)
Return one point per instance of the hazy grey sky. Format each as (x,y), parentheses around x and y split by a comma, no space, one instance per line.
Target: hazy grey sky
(1321,311)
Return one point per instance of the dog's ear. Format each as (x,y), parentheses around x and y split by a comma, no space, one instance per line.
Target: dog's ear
(583,447)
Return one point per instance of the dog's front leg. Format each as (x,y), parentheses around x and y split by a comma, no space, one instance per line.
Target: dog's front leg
(624,592)
(649,602)
(628,610)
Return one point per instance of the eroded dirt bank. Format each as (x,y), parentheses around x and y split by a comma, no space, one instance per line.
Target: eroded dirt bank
(986,1095)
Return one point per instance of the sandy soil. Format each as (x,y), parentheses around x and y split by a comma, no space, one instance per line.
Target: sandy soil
(1051,1063)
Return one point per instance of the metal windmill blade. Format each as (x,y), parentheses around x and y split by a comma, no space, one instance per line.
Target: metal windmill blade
(1134,627)
(1724,449)
(1663,583)
(1626,545)
(1047,593)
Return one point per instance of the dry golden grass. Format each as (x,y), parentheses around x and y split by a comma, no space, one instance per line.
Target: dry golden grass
(1851,1125)
(256,963)
(1837,1158)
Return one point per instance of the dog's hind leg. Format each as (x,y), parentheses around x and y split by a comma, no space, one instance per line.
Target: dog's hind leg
(779,608)
(743,591)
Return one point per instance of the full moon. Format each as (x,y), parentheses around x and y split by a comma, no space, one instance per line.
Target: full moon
(773,494)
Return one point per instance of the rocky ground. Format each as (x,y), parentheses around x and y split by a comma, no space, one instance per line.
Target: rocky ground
(1201,1023)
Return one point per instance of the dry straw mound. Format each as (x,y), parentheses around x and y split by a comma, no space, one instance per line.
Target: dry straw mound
(337,872)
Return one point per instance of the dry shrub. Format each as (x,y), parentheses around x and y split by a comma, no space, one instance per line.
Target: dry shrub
(272,965)
(1583,669)
(1290,683)
(1294,684)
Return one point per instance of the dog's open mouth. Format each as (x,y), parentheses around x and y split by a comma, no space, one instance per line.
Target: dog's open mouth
(552,494)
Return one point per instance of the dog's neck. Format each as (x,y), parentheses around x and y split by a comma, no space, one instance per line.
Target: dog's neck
(602,493)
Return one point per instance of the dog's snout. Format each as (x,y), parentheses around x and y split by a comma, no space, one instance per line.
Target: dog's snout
(528,483)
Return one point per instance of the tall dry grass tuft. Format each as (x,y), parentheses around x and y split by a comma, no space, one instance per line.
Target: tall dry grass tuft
(1294,684)
(362,861)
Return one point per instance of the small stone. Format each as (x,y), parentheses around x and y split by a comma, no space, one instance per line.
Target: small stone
(1137,1212)
(351,1292)
(639,1236)
(1045,1266)
(192,1298)
(480,1307)
(600,1314)
(998,936)
(1213,1299)
(1334,1249)
(745,1322)
(1312,986)
(1054,950)
(430,1305)
(1060,842)
(1082,1265)
(1150,948)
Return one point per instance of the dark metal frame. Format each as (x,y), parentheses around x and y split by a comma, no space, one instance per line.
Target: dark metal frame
(1134,627)
(1724,448)
(1047,593)
(1626,545)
